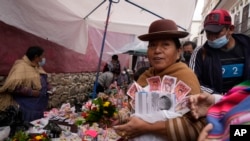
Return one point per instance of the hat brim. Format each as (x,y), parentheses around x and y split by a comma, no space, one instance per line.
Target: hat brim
(163,35)
(214,28)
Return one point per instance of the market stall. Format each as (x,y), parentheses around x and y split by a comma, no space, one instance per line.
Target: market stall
(92,122)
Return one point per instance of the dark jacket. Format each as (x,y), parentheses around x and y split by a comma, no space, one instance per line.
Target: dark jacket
(205,62)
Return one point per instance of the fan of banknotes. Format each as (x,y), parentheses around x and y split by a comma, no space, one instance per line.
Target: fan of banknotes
(160,94)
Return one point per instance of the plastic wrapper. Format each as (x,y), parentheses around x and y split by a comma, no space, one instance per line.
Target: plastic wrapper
(162,115)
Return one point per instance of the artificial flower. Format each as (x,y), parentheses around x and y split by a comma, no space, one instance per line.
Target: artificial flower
(23,136)
(101,110)
(106,104)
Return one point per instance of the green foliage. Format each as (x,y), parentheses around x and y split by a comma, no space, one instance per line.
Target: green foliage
(21,136)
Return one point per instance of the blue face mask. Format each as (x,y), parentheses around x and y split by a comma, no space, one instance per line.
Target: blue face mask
(218,43)
(42,63)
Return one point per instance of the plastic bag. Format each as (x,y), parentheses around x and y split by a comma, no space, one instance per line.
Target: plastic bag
(12,117)
(162,115)
(53,129)
(8,116)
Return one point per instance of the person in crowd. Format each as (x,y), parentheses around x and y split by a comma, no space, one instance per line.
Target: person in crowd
(124,79)
(141,61)
(223,61)
(164,54)
(188,48)
(105,80)
(222,111)
(27,86)
(113,66)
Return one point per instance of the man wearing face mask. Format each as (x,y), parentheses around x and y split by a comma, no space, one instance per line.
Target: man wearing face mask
(188,48)
(223,61)
(27,85)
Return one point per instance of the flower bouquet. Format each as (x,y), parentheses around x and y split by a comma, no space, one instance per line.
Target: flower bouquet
(99,110)
(23,136)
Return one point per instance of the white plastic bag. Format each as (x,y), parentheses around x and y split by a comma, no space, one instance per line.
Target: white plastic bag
(162,115)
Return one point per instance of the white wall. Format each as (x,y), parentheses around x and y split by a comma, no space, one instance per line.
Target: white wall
(195,29)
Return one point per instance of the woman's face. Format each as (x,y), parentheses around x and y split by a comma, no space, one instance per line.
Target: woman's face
(162,53)
(38,59)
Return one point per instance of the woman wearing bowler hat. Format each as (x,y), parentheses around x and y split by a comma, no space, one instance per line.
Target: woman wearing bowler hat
(164,54)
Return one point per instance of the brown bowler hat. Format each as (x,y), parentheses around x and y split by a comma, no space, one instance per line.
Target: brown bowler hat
(162,29)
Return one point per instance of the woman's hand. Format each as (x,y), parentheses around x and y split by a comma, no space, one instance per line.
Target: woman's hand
(135,127)
(200,103)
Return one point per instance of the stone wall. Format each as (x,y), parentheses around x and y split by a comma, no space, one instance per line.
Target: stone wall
(68,86)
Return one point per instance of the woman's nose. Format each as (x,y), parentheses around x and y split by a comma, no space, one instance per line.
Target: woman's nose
(158,48)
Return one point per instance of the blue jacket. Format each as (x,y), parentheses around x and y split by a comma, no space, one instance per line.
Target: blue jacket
(205,62)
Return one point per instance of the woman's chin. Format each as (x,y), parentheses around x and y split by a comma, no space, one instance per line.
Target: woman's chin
(159,68)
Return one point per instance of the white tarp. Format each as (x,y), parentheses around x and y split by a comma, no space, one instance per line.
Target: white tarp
(62,21)
(137,48)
